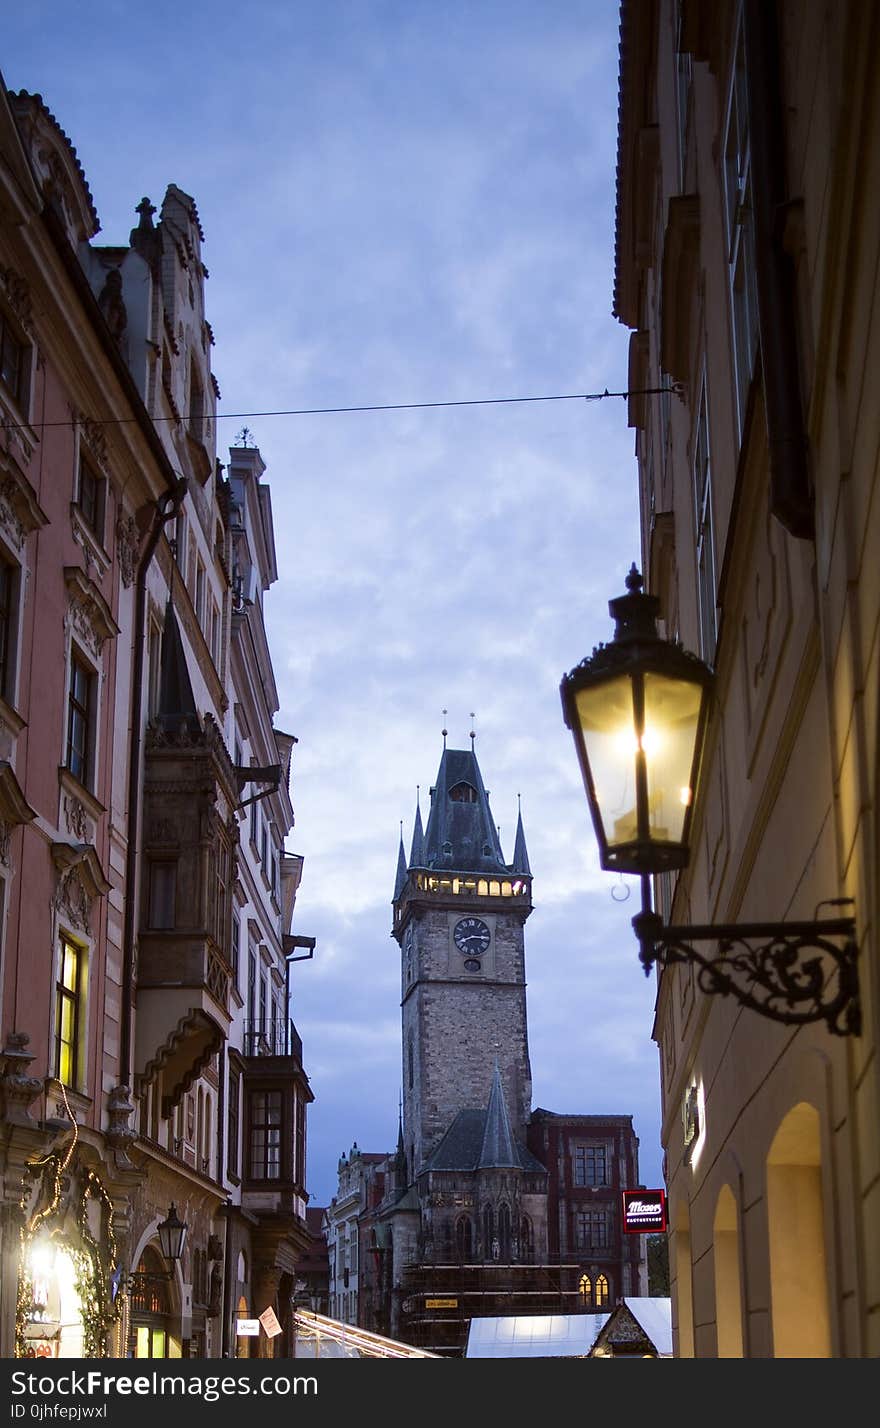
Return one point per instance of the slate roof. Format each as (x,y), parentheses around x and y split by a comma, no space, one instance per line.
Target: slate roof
(461,835)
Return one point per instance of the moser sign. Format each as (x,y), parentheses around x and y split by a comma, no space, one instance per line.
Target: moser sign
(644,1212)
(247,1328)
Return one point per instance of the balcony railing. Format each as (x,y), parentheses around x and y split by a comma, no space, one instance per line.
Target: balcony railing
(272,1038)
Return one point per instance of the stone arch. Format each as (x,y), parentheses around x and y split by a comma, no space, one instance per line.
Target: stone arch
(682,1283)
(728,1285)
(795,1227)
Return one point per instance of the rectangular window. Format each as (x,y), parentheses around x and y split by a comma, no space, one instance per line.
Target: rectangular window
(8,610)
(299,1142)
(234,1112)
(162,894)
(13,361)
(591,1229)
(79,719)
(68,1011)
(236,948)
(250,1025)
(155,669)
(200,592)
(702,485)
(740,225)
(90,497)
(265,1128)
(215,633)
(590,1165)
(180,545)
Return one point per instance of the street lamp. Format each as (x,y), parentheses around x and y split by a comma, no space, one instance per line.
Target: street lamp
(639,708)
(172,1237)
(172,1233)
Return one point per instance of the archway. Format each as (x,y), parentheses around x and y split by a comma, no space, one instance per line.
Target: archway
(728,1294)
(796,1233)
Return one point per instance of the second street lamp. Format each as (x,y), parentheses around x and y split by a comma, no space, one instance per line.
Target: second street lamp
(638,708)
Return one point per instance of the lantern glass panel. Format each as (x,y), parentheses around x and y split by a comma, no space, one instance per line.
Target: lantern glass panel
(605,717)
(672,715)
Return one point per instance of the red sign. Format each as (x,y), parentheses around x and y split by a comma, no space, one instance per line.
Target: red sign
(644,1212)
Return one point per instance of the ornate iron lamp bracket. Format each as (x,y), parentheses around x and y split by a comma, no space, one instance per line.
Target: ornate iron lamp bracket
(791,972)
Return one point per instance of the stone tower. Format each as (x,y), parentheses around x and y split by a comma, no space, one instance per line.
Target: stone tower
(459,915)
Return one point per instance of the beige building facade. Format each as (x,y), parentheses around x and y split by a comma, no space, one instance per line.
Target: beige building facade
(747,246)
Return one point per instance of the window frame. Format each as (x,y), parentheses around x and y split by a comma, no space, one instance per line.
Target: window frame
(72,997)
(81,716)
(584,1165)
(10,608)
(271,1122)
(13,336)
(739,225)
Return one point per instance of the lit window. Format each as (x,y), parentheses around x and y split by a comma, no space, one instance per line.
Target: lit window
(68,1011)
(601,1290)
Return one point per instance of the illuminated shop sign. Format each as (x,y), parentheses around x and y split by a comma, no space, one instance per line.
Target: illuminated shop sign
(644,1212)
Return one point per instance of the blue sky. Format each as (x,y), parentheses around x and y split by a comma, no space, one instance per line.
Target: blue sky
(405,203)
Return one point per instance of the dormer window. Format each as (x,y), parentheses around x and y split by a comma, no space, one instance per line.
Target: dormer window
(463,793)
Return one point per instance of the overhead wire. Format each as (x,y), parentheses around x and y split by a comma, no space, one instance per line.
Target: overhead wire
(377,407)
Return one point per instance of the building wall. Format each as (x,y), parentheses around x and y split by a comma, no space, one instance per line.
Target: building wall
(159,1002)
(770,1131)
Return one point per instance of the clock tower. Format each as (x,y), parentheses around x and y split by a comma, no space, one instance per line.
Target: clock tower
(459,917)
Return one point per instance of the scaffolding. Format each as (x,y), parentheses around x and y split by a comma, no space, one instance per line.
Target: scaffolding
(439,1300)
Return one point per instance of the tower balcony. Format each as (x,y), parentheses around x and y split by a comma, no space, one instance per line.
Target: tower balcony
(462,890)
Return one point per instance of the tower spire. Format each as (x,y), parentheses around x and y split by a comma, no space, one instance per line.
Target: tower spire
(444,731)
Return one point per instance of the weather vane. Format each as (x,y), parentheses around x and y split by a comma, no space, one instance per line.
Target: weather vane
(245,437)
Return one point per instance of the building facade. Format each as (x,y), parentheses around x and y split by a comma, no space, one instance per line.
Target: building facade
(746,269)
(142,1067)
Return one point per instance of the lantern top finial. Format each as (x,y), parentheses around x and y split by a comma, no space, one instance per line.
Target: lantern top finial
(634,581)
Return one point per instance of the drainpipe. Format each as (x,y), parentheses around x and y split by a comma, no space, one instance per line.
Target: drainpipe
(166,509)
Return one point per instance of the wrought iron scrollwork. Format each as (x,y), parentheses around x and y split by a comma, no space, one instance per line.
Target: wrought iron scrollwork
(791,972)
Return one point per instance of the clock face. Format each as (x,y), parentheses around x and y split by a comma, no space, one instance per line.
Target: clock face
(471,936)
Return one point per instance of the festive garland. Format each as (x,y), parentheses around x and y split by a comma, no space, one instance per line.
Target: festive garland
(93,1264)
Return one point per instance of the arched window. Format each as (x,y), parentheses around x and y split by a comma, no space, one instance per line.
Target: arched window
(504,1232)
(464,1239)
(488,1231)
(601,1291)
(585,1290)
(526,1245)
(463,793)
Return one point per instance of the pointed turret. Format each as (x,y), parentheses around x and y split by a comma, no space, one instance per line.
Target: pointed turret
(498,1150)
(520,862)
(400,880)
(461,833)
(177,705)
(417,852)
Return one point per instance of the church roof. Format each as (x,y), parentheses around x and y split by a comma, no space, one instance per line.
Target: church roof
(462,1147)
(461,833)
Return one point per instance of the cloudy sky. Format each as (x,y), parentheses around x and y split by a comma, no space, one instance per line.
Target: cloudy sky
(406,204)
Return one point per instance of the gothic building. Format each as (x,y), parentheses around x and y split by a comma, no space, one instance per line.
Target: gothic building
(466,1218)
